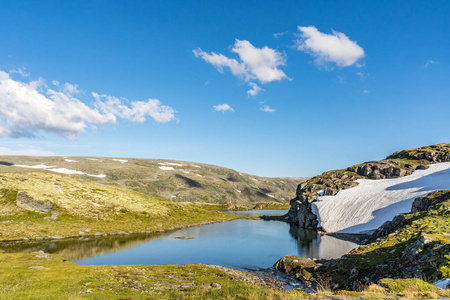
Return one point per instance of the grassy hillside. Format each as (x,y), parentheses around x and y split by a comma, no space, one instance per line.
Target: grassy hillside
(174,180)
(82,207)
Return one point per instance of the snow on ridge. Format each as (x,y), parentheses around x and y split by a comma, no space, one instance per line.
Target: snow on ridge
(95,159)
(70,160)
(171,164)
(271,196)
(34,167)
(166,168)
(59,170)
(372,202)
(120,160)
(70,172)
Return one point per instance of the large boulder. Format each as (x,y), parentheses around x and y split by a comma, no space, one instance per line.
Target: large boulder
(27,202)
(302,268)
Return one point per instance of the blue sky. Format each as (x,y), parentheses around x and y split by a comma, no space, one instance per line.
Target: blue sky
(337,82)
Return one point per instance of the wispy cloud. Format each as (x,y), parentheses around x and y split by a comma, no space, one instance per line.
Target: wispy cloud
(254,63)
(27,108)
(365,92)
(278,34)
(223,108)
(267,108)
(430,62)
(335,48)
(254,90)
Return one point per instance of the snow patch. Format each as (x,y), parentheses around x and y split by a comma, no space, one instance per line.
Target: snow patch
(238,191)
(371,203)
(167,168)
(199,175)
(70,172)
(173,196)
(34,167)
(70,160)
(321,192)
(443,283)
(185,172)
(195,166)
(60,170)
(271,196)
(171,164)
(96,159)
(254,179)
(120,160)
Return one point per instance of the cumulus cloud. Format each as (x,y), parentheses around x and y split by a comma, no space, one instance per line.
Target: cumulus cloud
(254,63)
(267,108)
(27,108)
(336,47)
(137,112)
(254,90)
(223,108)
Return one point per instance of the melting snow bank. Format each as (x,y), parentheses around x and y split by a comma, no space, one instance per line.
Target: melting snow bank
(120,160)
(443,283)
(70,172)
(59,170)
(373,202)
(167,168)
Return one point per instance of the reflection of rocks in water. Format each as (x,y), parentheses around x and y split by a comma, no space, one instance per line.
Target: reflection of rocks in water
(307,240)
(312,245)
(76,249)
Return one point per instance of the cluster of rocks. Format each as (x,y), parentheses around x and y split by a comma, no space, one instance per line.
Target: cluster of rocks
(412,258)
(330,183)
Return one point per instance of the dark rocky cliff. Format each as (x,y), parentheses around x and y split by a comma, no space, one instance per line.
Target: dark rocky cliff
(399,164)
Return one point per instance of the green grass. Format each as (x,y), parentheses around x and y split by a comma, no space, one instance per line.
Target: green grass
(23,276)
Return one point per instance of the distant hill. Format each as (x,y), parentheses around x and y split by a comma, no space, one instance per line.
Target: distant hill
(168,179)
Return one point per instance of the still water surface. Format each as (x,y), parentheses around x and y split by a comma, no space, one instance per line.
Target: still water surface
(238,244)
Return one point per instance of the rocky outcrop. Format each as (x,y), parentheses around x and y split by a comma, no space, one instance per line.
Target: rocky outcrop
(302,268)
(399,164)
(388,227)
(424,203)
(27,202)
(409,246)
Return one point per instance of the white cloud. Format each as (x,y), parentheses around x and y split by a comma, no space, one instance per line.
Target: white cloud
(335,47)
(260,64)
(55,82)
(365,92)
(267,108)
(430,62)
(223,108)
(363,76)
(33,151)
(254,90)
(20,71)
(27,108)
(138,111)
(278,34)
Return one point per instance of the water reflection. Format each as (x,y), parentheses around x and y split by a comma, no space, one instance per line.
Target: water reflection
(76,249)
(238,244)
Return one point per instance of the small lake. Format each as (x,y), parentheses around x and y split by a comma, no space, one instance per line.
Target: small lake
(241,244)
